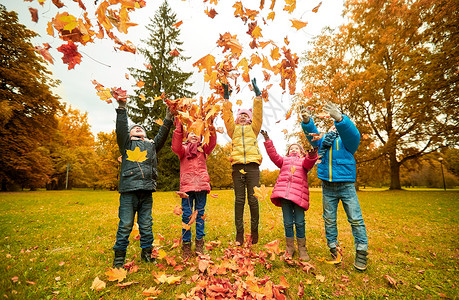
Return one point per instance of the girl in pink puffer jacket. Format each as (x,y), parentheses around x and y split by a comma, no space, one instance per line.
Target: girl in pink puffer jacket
(291,192)
(194,181)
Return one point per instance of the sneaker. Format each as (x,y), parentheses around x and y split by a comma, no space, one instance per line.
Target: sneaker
(361,259)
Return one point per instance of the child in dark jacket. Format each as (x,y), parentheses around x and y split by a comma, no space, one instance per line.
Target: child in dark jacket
(291,192)
(194,181)
(137,182)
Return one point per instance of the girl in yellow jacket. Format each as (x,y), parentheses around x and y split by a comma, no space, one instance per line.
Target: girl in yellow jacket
(245,159)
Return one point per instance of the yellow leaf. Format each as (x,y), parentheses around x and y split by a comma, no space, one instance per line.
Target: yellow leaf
(239,102)
(261,192)
(142,97)
(256,33)
(159,122)
(275,53)
(136,155)
(50,29)
(290,6)
(271,15)
(151,292)
(298,24)
(116,274)
(105,94)
(321,278)
(292,169)
(242,171)
(161,254)
(98,284)
(157,98)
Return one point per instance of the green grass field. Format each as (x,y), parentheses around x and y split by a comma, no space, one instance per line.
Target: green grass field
(54,244)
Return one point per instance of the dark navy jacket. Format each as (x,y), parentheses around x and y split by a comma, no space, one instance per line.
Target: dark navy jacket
(137,175)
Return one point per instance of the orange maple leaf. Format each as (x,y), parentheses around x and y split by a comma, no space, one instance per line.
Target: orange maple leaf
(174,52)
(316,9)
(275,53)
(116,274)
(290,6)
(211,13)
(273,246)
(271,16)
(176,25)
(206,62)
(298,24)
(140,83)
(256,32)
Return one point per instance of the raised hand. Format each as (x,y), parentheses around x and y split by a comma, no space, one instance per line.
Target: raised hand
(255,87)
(264,134)
(333,111)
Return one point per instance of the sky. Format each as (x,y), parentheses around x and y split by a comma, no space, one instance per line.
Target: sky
(199,34)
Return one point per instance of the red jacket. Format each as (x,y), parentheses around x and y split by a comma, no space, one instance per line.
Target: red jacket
(292,183)
(193,171)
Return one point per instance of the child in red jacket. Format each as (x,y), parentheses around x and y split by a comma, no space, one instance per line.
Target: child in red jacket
(291,192)
(194,181)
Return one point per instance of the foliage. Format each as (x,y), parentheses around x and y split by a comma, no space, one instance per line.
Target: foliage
(74,146)
(219,166)
(27,106)
(390,69)
(161,75)
(37,265)
(268,178)
(108,165)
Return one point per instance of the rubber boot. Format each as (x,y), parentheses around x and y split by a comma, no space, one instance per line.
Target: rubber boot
(290,247)
(302,250)
(118,261)
(240,238)
(361,259)
(186,250)
(146,255)
(200,246)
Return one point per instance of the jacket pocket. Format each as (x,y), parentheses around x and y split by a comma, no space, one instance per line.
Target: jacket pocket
(129,172)
(345,168)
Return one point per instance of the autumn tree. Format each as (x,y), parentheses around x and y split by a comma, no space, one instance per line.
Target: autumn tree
(219,167)
(393,69)
(162,74)
(74,147)
(268,177)
(27,106)
(107,157)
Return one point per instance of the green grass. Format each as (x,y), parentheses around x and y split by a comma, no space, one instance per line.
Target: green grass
(61,240)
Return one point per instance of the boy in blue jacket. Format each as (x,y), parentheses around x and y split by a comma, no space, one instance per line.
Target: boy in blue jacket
(137,182)
(338,173)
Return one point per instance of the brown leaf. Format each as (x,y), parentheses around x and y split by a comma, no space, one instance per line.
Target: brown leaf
(34,14)
(391,281)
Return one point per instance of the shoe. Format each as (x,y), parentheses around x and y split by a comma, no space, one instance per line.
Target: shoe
(186,250)
(200,246)
(146,255)
(361,259)
(302,250)
(118,261)
(240,237)
(254,236)
(290,247)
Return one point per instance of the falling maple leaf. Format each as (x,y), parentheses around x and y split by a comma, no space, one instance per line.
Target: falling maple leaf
(298,24)
(261,193)
(176,25)
(205,62)
(316,9)
(34,14)
(178,210)
(116,274)
(271,16)
(58,3)
(290,6)
(71,56)
(182,194)
(242,171)
(211,13)
(98,284)
(140,83)
(136,155)
(45,53)
(119,94)
(174,52)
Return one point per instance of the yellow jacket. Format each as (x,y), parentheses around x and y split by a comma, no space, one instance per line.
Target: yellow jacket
(244,137)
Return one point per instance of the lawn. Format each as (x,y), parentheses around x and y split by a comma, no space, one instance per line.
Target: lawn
(55,243)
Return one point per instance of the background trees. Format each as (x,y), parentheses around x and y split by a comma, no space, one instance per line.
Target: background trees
(161,75)
(27,106)
(219,167)
(393,69)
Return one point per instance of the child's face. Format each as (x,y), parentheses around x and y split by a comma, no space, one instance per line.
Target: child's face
(193,138)
(244,119)
(137,131)
(294,149)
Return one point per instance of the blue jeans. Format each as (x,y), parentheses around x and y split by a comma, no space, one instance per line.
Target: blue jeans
(198,200)
(293,215)
(130,203)
(345,191)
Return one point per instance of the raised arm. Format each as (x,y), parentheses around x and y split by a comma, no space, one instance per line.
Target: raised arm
(177,139)
(349,134)
(212,142)
(161,137)
(122,129)
(271,150)
(310,159)
(257,119)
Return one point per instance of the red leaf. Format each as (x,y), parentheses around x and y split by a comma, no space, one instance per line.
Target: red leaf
(71,55)
(34,14)
(174,53)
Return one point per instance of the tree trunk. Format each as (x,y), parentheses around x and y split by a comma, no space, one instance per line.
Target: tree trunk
(394,171)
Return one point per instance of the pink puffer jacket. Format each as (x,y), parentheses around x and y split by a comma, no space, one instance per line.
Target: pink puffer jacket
(292,183)
(193,172)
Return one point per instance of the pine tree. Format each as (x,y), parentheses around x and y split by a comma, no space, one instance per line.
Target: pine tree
(28,108)
(164,76)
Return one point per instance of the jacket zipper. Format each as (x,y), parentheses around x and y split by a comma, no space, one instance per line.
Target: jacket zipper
(330,163)
(243,144)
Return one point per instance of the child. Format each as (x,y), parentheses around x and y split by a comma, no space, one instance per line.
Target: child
(291,192)
(245,159)
(194,181)
(338,172)
(137,182)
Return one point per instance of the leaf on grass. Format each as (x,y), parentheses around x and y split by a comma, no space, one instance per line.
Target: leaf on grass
(300,293)
(214,195)
(126,284)
(15,279)
(153,291)
(320,278)
(163,278)
(98,284)
(392,281)
(176,243)
(161,254)
(116,274)
(136,155)
(273,246)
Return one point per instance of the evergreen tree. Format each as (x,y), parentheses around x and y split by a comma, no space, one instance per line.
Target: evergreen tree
(28,108)
(164,76)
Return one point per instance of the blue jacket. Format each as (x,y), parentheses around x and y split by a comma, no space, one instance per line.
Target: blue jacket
(138,175)
(337,165)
